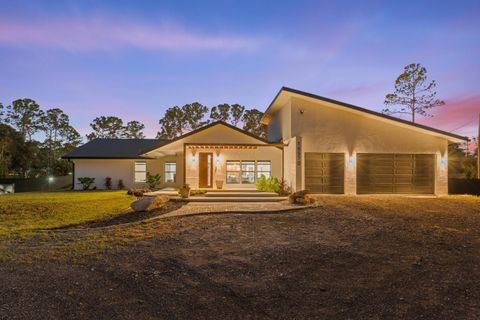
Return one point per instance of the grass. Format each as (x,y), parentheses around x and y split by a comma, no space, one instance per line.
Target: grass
(24,212)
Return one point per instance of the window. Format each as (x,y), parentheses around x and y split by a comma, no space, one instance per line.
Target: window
(170,171)
(248,172)
(263,168)
(233,172)
(140,171)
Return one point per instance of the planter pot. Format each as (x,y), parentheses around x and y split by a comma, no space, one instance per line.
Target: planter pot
(184,193)
(219,184)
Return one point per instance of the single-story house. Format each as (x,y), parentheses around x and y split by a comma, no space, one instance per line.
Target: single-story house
(314,143)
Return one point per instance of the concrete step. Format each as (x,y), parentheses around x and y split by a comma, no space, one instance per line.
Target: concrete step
(240,194)
(236,199)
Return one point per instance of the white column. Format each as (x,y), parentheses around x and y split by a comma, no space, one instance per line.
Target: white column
(350,174)
(441,174)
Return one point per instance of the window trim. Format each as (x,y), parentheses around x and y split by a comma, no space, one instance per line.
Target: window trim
(257,176)
(241,171)
(174,172)
(238,172)
(135,171)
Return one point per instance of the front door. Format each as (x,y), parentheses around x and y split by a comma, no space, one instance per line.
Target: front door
(205,170)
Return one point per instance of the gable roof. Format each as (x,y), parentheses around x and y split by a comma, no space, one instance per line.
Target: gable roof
(351,107)
(135,148)
(210,125)
(114,148)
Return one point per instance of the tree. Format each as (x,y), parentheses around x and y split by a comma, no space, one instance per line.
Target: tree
(10,141)
(251,123)
(25,115)
(54,123)
(194,116)
(414,94)
(106,127)
(220,113)
(236,112)
(133,130)
(2,112)
(171,124)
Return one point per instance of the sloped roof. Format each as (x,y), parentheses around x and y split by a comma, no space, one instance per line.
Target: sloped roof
(285,90)
(114,148)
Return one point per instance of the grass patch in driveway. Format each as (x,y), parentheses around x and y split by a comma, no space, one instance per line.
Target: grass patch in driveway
(22,213)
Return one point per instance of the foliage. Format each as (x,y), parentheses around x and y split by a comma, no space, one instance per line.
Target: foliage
(108,183)
(24,212)
(86,182)
(462,163)
(197,192)
(220,113)
(120,185)
(25,115)
(301,197)
(171,124)
(193,115)
(153,180)
(414,94)
(272,184)
(138,192)
(236,113)
(283,188)
(251,123)
(106,127)
(10,142)
(133,130)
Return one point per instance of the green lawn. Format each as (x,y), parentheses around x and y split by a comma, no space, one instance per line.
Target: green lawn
(24,212)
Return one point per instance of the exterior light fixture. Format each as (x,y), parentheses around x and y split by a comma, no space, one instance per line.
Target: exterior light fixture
(50,179)
(351,160)
(443,160)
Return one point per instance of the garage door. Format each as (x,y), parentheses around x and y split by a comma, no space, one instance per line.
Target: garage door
(395,173)
(324,172)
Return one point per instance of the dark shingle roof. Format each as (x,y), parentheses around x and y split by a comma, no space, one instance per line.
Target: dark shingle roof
(114,148)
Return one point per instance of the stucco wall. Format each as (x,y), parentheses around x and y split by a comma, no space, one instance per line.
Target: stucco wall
(326,129)
(220,156)
(123,169)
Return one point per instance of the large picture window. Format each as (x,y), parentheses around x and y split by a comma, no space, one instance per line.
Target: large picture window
(263,168)
(233,172)
(140,171)
(248,172)
(170,171)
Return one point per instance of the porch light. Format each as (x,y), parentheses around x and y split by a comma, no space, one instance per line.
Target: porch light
(351,160)
(443,160)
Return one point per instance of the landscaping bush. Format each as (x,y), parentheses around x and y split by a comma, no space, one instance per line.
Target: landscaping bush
(108,183)
(86,182)
(120,185)
(153,180)
(272,184)
(197,192)
(283,188)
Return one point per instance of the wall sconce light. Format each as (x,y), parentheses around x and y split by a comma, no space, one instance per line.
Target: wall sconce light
(351,160)
(443,160)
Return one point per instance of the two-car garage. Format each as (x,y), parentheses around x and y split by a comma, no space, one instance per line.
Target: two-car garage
(386,173)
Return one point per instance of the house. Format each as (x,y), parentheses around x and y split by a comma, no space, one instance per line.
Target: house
(314,143)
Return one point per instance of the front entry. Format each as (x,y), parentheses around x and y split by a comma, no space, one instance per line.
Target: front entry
(205,170)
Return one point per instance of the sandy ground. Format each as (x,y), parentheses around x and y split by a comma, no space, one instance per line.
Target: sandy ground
(350,258)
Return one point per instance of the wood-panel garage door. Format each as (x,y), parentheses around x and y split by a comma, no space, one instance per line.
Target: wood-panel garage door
(324,172)
(395,173)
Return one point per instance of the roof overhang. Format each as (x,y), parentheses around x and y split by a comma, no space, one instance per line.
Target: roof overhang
(286,94)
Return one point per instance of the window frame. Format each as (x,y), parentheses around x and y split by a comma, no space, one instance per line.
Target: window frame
(174,172)
(258,173)
(135,171)
(237,172)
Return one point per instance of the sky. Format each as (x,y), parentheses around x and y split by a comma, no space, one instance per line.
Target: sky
(135,59)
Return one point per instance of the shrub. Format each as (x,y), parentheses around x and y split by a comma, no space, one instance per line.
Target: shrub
(120,185)
(196,192)
(301,197)
(108,183)
(270,185)
(153,180)
(283,188)
(86,182)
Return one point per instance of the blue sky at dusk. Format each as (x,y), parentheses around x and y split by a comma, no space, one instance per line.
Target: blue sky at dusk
(134,59)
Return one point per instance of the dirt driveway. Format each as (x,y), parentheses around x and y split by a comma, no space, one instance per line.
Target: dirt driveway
(350,258)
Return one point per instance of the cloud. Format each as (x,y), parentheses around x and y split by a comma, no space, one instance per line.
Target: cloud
(459,116)
(108,33)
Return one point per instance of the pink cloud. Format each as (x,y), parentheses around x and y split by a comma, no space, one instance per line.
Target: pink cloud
(105,33)
(458,116)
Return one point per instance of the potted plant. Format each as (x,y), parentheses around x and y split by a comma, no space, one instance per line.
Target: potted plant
(219,184)
(184,191)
